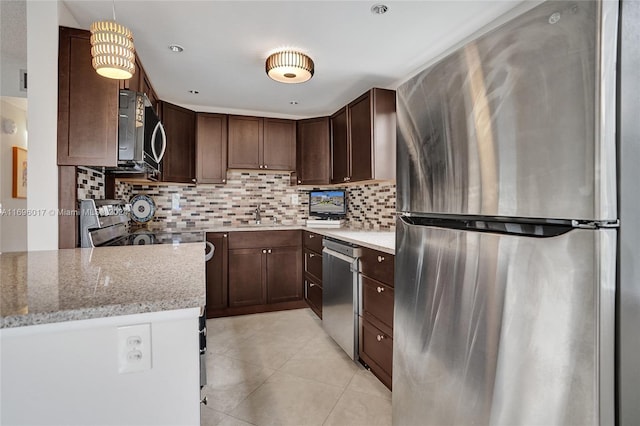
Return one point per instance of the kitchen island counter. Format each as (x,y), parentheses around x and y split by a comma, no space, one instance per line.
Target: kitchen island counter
(66,285)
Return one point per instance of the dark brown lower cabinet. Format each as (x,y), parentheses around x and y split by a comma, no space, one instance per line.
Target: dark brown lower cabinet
(313,271)
(376,349)
(313,295)
(378,300)
(247,284)
(263,272)
(376,321)
(216,270)
(283,275)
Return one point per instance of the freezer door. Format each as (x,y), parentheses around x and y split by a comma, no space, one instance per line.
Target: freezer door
(502,329)
(518,123)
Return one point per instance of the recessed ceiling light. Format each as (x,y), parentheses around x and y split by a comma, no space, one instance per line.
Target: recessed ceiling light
(195,92)
(293,102)
(176,48)
(379,9)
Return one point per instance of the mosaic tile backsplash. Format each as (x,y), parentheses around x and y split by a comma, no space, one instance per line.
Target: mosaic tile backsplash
(90,184)
(370,206)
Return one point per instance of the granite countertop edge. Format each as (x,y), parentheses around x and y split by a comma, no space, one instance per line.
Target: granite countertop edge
(97,312)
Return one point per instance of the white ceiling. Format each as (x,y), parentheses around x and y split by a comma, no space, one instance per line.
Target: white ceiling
(226,44)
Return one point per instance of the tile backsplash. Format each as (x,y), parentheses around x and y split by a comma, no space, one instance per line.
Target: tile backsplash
(90,184)
(370,205)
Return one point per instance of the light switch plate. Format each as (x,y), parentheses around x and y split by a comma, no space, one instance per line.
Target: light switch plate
(175,201)
(134,348)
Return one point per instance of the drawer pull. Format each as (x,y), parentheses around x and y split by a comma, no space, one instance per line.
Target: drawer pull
(380,259)
(380,289)
(311,285)
(380,337)
(311,254)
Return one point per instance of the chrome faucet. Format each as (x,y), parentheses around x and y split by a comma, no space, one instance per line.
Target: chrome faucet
(257,213)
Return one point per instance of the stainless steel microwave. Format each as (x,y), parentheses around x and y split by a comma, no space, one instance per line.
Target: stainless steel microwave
(142,140)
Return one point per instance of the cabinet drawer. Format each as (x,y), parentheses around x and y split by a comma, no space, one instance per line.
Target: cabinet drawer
(313,264)
(377,265)
(377,304)
(312,241)
(313,295)
(376,349)
(266,239)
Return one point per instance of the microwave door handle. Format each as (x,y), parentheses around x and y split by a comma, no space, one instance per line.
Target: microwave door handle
(157,157)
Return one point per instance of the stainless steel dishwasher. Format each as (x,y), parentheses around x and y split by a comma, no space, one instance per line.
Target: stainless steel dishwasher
(340,293)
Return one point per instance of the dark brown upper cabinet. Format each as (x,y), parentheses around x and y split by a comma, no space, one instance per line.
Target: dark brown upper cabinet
(363,136)
(313,151)
(178,163)
(261,143)
(211,148)
(87,105)
(340,151)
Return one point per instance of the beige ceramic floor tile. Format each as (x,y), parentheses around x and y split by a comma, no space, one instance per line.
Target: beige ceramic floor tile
(211,417)
(337,371)
(321,346)
(230,381)
(288,400)
(365,382)
(360,409)
(267,350)
(299,325)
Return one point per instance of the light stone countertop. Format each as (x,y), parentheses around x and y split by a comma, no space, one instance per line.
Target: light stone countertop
(384,241)
(65,285)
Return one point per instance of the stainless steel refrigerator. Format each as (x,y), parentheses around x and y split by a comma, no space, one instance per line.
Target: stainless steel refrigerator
(509,228)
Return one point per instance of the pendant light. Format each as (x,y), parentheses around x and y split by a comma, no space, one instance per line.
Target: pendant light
(289,66)
(112,49)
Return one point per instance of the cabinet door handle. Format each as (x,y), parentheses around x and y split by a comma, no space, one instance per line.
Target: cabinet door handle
(193,180)
(224,181)
(265,166)
(312,285)
(311,255)
(380,289)
(224,235)
(299,181)
(269,251)
(380,259)
(261,166)
(311,236)
(264,251)
(380,337)
(345,179)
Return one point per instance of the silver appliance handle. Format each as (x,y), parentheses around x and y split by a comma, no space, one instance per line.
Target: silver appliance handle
(353,261)
(209,255)
(338,255)
(157,157)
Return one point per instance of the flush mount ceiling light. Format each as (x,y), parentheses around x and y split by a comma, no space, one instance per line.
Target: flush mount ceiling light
(112,49)
(289,66)
(176,48)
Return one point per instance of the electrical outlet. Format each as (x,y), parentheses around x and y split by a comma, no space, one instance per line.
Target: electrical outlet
(134,348)
(294,199)
(175,201)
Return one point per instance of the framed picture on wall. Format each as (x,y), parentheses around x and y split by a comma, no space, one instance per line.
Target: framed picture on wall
(19,172)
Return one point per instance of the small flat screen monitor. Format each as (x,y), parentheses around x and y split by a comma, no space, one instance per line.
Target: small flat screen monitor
(328,204)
